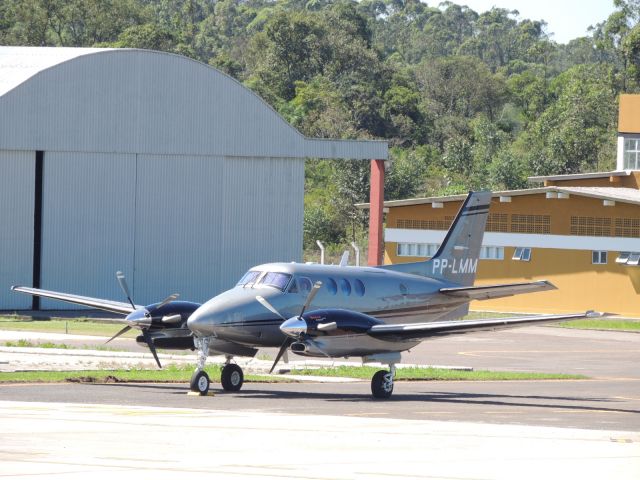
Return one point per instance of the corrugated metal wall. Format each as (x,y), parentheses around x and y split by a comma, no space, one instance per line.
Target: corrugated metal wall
(185,224)
(87,223)
(16,225)
(202,221)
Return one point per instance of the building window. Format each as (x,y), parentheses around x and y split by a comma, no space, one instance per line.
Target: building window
(632,154)
(629,258)
(417,249)
(522,254)
(627,227)
(599,257)
(425,224)
(591,226)
(530,223)
(497,222)
(492,253)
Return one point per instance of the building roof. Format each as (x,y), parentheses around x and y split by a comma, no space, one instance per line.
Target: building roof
(142,101)
(579,176)
(616,194)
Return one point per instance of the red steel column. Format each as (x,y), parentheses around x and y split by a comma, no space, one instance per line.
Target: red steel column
(376,201)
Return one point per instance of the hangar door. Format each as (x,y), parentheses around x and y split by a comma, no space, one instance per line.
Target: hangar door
(16,221)
(88,223)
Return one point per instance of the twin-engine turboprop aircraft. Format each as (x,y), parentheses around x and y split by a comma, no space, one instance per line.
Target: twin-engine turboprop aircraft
(370,312)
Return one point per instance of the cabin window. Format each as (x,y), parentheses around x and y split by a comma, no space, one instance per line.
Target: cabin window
(599,257)
(304,284)
(345,286)
(358,287)
(332,286)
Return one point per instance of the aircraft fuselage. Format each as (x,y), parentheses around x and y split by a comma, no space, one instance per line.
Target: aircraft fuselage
(236,316)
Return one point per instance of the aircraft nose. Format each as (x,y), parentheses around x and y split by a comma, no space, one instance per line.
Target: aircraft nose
(198,322)
(294,327)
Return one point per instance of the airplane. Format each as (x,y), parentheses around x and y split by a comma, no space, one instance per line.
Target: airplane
(370,312)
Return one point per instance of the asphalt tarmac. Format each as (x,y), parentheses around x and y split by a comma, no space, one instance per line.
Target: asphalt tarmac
(609,399)
(587,429)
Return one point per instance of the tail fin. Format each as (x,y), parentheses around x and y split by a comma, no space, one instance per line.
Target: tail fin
(456,260)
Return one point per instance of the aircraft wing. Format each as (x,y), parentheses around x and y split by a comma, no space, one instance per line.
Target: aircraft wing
(485,292)
(100,304)
(419,331)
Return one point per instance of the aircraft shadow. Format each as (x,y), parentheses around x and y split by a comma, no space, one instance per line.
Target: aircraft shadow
(542,402)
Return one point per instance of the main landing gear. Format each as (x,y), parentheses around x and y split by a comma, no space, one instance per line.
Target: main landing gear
(382,383)
(231,376)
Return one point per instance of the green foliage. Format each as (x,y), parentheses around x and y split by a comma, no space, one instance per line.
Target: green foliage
(466,99)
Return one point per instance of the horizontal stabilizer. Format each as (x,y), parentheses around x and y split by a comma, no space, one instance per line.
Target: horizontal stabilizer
(485,292)
(100,304)
(419,331)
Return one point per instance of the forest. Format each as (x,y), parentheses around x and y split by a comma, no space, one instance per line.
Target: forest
(467,100)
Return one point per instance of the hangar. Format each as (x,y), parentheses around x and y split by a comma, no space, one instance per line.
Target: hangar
(145,162)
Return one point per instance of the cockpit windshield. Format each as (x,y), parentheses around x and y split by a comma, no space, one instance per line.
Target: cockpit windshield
(250,277)
(277,280)
(261,278)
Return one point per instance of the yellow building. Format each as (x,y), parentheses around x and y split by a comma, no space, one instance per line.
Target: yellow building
(581,232)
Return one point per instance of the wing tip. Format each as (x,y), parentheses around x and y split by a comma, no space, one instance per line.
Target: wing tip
(595,314)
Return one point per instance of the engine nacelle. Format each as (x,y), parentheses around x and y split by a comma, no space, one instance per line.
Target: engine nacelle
(346,322)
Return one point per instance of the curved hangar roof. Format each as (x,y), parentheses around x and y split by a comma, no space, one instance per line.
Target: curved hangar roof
(141,101)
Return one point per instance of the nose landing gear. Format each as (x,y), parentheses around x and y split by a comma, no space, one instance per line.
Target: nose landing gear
(200,381)
(231,376)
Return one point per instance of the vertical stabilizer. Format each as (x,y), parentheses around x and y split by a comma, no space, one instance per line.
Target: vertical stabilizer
(456,260)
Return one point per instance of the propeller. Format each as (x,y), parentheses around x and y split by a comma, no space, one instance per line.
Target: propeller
(144,323)
(288,340)
(125,288)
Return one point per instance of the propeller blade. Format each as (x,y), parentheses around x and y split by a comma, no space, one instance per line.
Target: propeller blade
(281,352)
(152,347)
(311,296)
(269,307)
(124,330)
(125,288)
(169,299)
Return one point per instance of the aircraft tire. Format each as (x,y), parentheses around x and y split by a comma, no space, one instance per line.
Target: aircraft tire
(200,382)
(380,387)
(231,377)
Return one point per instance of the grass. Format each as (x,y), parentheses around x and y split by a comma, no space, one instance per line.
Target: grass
(603,324)
(169,374)
(74,326)
(64,346)
(182,374)
(628,325)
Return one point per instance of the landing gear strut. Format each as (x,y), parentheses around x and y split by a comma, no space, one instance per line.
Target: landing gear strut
(382,382)
(200,380)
